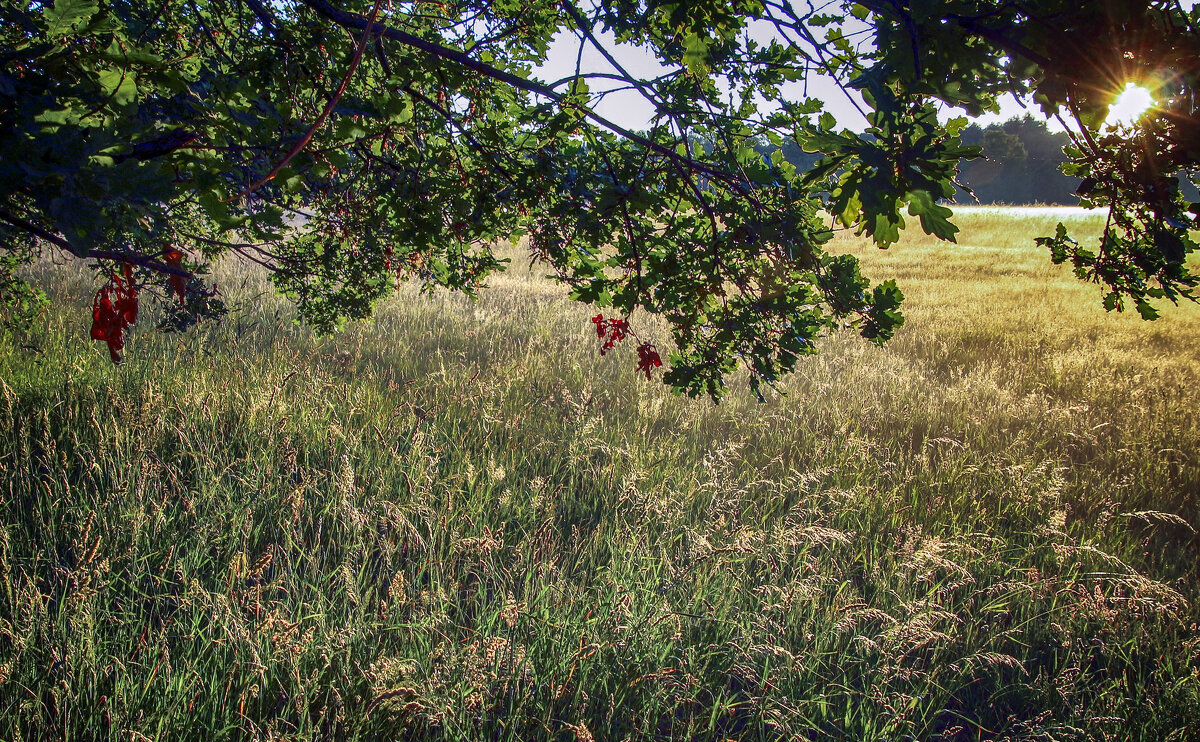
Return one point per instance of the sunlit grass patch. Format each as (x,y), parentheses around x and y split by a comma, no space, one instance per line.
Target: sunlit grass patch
(458,521)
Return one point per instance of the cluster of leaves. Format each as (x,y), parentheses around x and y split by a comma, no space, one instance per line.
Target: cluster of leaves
(610,331)
(348,144)
(114,310)
(648,359)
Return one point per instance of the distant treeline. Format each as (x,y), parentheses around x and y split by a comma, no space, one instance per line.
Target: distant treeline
(1019,165)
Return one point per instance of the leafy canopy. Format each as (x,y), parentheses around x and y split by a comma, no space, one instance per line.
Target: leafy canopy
(151,138)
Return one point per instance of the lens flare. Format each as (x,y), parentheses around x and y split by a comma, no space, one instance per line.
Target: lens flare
(1133,101)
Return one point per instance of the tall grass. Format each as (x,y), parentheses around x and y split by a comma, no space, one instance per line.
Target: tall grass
(459,522)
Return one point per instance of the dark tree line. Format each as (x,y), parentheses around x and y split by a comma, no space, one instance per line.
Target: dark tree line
(1020,164)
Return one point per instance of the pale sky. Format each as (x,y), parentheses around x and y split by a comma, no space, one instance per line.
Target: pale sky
(630,110)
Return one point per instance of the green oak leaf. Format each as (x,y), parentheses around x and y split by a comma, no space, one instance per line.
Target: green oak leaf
(66,16)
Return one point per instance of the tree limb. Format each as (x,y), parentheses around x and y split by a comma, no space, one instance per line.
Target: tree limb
(308,135)
(356,21)
(62,244)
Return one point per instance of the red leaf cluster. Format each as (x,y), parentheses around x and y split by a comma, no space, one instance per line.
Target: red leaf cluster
(178,283)
(114,309)
(648,358)
(610,331)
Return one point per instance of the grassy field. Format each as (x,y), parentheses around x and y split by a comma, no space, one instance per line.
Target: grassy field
(459,522)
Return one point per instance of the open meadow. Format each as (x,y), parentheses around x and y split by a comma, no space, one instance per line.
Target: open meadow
(458,521)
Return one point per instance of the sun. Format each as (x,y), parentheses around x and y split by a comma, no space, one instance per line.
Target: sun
(1133,101)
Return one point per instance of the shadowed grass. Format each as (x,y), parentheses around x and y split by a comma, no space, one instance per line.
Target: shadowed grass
(459,522)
